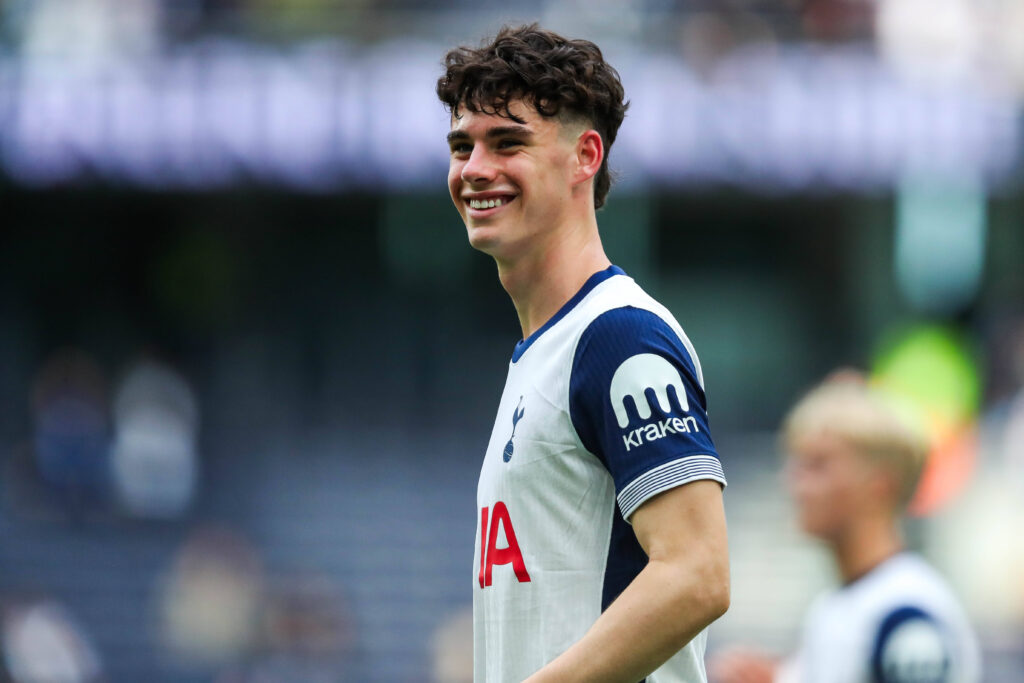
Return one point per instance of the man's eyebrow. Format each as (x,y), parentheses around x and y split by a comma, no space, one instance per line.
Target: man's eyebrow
(499,131)
(496,132)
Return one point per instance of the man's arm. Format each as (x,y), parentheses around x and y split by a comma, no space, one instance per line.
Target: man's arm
(683,588)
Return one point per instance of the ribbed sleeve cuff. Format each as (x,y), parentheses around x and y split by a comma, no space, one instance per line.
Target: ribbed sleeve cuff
(667,476)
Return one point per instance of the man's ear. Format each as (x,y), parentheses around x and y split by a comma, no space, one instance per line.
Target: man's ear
(589,155)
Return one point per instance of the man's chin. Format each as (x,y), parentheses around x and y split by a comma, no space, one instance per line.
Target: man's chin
(485,238)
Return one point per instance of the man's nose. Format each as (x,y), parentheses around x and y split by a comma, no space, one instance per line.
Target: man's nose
(479,168)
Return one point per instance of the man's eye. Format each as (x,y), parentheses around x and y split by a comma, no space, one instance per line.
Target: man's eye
(507,144)
(462,148)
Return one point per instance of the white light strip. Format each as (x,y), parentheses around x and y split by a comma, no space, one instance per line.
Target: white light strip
(326,117)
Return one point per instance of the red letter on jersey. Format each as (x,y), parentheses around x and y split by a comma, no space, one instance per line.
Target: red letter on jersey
(494,555)
(483,543)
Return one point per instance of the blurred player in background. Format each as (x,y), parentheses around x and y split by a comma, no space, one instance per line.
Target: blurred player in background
(604,399)
(852,467)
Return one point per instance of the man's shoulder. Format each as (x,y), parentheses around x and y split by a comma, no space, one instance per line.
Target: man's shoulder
(621,292)
(904,587)
(909,575)
(918,625)
(898,621)
(622,320)
(905,577)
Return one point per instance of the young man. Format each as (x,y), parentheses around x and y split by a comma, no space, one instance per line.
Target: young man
(852,467)
(601,547)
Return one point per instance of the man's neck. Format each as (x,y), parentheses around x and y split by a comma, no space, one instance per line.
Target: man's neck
(541,281)
(865,546)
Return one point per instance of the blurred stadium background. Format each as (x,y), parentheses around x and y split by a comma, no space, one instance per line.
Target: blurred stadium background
(248,363)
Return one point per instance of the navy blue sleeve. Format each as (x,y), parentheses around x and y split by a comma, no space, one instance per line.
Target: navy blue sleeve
(910,647)
(637,403)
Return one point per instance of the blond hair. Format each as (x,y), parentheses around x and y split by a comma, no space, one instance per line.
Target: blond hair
(871,422)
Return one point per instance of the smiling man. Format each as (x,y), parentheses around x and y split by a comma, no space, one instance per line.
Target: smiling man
(601,543)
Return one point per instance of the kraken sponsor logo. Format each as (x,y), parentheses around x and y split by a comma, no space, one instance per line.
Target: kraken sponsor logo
(658,430)
(634,378)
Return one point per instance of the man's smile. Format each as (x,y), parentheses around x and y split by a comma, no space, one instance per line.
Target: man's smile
(484,204)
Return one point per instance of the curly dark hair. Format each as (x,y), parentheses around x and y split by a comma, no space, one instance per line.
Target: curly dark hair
(555,75)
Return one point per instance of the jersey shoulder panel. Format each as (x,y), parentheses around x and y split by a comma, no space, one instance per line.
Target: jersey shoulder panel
(908,579)
(637,401)
(911,646)
(622,291)
(919,630)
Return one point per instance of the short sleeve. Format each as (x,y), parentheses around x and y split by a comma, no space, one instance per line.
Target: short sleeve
(910,647)
(637,403)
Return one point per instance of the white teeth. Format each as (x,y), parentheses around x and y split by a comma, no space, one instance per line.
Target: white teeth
(484,203)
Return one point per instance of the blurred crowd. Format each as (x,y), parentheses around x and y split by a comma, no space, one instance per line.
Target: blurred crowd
(113,568)
(40,22)
(105,453)
(218,617)
(131,448)
(943,39)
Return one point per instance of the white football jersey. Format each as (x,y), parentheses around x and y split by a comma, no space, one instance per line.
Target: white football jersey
(603,408)
(898,624)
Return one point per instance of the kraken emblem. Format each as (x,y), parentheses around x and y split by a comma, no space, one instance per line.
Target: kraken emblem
(636,376)
(516,417)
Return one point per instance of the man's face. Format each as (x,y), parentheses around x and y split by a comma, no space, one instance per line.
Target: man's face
(510,181)
(831,485)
